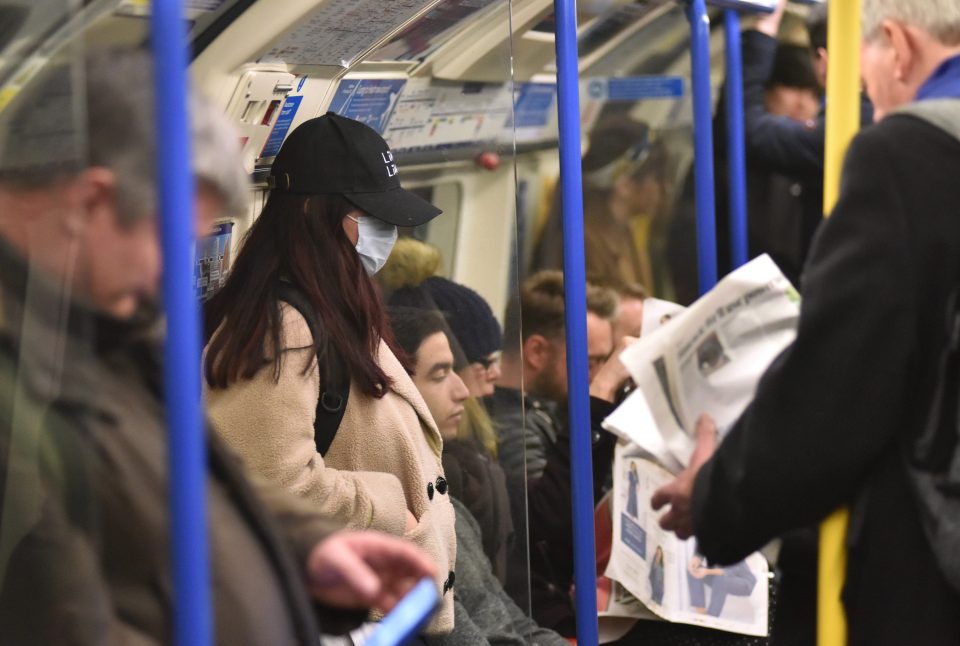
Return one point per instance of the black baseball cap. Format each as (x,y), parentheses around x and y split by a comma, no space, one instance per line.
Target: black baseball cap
(334,154)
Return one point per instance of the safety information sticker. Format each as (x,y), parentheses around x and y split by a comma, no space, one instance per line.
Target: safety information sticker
(632,88)
(280,129)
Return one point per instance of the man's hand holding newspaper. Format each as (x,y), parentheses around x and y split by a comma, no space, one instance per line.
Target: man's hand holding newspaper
(678,493)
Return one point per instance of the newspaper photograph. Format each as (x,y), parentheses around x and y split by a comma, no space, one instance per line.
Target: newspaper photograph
(667,575)
(708,359)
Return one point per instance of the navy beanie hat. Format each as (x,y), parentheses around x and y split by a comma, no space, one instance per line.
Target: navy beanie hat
(470,318)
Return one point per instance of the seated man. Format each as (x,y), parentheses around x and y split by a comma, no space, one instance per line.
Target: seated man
(535,438)
(84,536)
(539,363)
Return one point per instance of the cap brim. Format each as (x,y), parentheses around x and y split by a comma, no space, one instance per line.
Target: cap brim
(396,206)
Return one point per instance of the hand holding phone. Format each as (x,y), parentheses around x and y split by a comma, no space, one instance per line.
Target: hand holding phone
(408,617)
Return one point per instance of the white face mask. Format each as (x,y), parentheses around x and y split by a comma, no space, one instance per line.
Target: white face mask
(374,242)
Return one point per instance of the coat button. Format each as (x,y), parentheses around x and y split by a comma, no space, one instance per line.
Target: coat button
(430,490)
(442,485)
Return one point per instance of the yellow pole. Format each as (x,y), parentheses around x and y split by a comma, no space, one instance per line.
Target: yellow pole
(843,122)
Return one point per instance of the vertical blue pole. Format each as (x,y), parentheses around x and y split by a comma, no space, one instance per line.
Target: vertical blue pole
(187,454)
(574,285)
(736,146)
(703,145)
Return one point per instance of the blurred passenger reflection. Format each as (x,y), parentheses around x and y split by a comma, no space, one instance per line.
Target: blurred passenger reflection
(485,611)
(626,182)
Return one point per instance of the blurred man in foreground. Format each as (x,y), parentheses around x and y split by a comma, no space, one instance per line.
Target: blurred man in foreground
(85,527)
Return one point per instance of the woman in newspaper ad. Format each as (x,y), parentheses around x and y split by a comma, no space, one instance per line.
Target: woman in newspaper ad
(656,576)
(734,580)
(667,576)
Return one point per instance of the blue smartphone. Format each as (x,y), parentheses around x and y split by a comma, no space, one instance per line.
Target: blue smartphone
(408,617)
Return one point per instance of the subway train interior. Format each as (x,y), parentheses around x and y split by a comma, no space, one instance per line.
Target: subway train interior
(468,96)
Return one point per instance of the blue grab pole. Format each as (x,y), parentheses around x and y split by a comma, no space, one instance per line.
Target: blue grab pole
(574,285)
(736,146)
(187,453)
(703,145)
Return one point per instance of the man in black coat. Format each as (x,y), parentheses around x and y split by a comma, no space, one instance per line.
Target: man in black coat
(834,412)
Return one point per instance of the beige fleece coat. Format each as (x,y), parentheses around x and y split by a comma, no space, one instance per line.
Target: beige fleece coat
(384,455)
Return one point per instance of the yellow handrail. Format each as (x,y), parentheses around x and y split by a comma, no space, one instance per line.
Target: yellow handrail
(843,122)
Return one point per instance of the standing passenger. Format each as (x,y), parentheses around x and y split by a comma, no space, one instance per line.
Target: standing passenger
(301,289)
(841,417)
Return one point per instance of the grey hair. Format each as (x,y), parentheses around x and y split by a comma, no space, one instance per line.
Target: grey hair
(939,18)
(100,113)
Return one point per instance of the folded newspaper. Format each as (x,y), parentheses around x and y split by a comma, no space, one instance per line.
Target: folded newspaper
(667,575)
(706,359)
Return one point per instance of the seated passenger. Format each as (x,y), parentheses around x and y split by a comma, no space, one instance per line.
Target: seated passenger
(470,449)
(538,361)
(83,443)
(485,613)
(301,378)
(534,428)
(413,281)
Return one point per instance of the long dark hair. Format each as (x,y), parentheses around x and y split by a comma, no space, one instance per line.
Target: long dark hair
(300,239)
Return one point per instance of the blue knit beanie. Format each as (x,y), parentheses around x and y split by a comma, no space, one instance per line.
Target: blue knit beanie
(470,318)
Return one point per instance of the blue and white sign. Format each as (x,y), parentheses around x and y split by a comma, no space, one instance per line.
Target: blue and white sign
(534,105)
(282,126)
(370,101)
(633,88)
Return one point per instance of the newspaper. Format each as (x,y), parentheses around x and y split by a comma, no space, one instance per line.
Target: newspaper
(667,575)
(706,359)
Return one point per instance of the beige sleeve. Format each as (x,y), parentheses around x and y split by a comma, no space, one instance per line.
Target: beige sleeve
(270,425)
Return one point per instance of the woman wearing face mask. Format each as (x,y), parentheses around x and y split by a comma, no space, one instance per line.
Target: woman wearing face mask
(301,377)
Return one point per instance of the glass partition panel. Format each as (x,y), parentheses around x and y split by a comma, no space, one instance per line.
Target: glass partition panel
(640,242)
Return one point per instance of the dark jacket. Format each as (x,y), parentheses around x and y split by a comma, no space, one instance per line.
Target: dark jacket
(548,513)
(832,413)
(526,426)
(84,441)
(485,614)
(783,146)
(478,481)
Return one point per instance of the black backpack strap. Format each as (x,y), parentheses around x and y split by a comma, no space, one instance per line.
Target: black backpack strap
(334,376)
